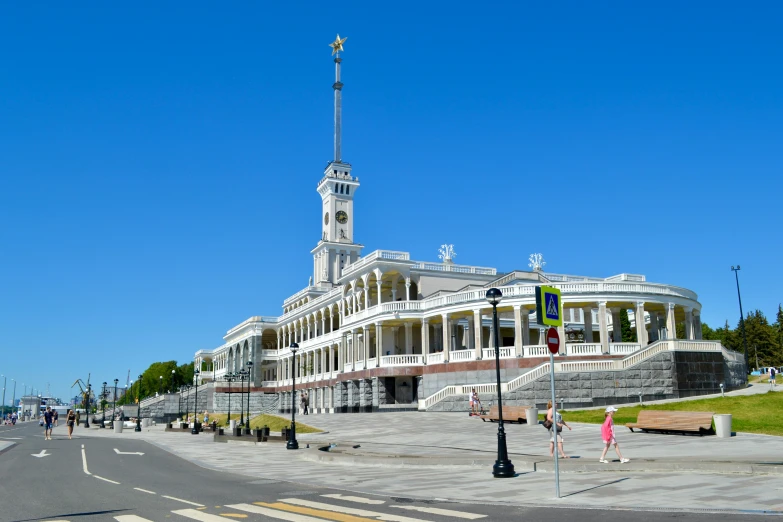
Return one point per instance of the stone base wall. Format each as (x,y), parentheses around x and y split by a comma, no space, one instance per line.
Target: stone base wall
(259,402)
(667,375)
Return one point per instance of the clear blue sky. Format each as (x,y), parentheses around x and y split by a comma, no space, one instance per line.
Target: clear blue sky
(159,162)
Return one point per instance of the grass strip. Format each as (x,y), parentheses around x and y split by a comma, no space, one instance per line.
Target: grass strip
(750,413)
(274,422)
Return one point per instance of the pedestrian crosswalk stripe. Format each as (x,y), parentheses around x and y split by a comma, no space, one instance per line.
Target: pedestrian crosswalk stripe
(183,501)
(131,518)
(351,511)
(273,513)
(358,500)
(329,515)
(195,514)
(444,512)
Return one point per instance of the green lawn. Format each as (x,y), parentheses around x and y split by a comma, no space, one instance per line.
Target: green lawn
(751,413)
(274,422)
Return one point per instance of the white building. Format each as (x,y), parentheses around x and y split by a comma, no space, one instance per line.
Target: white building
(382,330)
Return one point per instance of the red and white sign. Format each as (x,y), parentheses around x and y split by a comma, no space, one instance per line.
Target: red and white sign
(553,340)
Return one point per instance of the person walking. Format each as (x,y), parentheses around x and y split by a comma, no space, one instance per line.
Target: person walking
(556,428)
(607,434)
(48,418)
(475,402)
(69,421)
(56,418)
(78,416)
(772,373)
(305,402)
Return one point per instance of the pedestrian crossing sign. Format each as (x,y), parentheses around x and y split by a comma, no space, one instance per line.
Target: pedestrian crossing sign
(548,306)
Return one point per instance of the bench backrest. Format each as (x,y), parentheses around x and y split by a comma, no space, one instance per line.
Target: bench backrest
(509,412)
(702,419)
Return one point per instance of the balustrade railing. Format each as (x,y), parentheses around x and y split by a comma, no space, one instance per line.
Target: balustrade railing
(402,360)
(462,355)
(623,348)
(583,349)
(489,353)
(536,350)
(435,358)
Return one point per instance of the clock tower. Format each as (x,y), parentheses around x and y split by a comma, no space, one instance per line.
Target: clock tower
(337,248)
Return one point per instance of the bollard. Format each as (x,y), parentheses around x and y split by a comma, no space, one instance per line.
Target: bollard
(531,415)
(722,425)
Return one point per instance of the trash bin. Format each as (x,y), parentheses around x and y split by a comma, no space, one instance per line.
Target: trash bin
(145,423)
(531,414)
(722,425)
(284,433)
(232,424)
(118,426)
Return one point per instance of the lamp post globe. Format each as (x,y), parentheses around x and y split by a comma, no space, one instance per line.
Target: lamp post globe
(503,467)
(292,443)
(173,386)
(196,423)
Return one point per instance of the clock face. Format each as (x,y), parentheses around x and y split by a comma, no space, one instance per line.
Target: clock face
(326,218)
(342,217)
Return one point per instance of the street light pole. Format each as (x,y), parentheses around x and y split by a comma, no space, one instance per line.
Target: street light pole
(87,407)
(3,407)
(503,467)
(241,398)
(114,405)
(292,443)
(742,316)
(103,405)
(196,424)
(229,377)
(249,373)
(138,403)
(13,400)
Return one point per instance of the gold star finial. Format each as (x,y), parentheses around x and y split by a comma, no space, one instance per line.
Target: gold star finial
(337,45)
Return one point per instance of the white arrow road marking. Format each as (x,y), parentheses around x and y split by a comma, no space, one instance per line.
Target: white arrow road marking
(42,454)
(118,452)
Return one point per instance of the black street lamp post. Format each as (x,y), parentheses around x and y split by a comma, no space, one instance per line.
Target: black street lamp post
(114,404)
(742,317)
(229,377)
(292,443)
(196,423)
(104,394)
(179,405)
(138,403)
(87,407)
(242,374)
(187,402)
(503,467)
(249,373)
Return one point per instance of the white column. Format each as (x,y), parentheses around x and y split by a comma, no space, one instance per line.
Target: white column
(603,328)
(477,333)
(408,338)
(587,313)
(341,352)
(688,322)
(525,327)
(671,325)
(378,343)
(366,297)
(366,344)
(697,324)
(395,338)
(518,351)
(446,343)
(407,288)
(617,331)
(468,335)
(425,338)
(378,284)
(354,348)
(641,331)
(308,328)
(323,324)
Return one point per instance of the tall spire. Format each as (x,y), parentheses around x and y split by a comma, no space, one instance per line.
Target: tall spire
(337,46)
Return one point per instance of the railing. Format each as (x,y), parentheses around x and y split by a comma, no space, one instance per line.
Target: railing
(269,353)
(505,353)
(301,293)
(372,363)
(267,384)
(372,256)
(348,367)
(535,350)
(525,378)
(583,349)
(627,277)
(435,358)
(462,355)
(402,360)
(623,348)
(448,267)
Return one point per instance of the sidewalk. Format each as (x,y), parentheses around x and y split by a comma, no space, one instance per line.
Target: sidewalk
(450,456)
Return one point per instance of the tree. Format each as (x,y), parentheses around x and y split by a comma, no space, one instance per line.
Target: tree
(628,333)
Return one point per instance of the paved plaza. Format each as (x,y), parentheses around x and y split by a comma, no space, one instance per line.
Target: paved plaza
(449,456)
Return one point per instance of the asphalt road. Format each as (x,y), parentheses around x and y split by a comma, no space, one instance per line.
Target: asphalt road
(86,479)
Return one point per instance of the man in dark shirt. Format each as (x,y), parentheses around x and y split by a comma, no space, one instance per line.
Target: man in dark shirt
(48,420)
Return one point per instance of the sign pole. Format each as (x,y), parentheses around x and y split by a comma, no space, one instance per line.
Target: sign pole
(549,306)
(554,418)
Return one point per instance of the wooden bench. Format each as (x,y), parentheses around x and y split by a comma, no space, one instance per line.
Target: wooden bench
(510,414)
(675,421)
